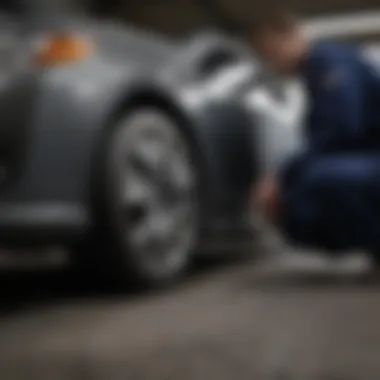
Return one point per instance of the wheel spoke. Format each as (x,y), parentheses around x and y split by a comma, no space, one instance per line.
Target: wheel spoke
(148,235)
(141,234)
(141,165)
(137,189)
(157,182)
(159,229)
(150,152)
(180,175)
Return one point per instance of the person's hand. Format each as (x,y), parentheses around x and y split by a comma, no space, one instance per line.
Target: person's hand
(266,197)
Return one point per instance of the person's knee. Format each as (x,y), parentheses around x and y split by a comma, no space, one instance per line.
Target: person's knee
(306,201)
(320,175)
(338,172)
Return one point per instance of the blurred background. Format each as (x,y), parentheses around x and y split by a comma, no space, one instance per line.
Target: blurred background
(178,17)
(221,324)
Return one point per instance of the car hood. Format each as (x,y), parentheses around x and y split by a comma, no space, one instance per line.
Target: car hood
(113,41)
(132,45)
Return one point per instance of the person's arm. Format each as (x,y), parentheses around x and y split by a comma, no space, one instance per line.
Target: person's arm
(278,124)
(336,120)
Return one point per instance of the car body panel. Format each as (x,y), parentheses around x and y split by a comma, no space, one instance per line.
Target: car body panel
(71,108)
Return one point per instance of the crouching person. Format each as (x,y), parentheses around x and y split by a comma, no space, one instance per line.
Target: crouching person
(328,196)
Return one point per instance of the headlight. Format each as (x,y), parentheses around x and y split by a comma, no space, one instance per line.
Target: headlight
(63,48)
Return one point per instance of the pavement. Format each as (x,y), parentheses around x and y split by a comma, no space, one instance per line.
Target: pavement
(235,321)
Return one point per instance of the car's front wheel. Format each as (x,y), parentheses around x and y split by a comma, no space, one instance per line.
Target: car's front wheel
(151,199)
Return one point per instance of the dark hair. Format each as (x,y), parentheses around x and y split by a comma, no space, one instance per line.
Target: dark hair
(274,19)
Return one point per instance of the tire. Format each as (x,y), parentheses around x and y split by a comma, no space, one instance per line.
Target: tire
(150,201)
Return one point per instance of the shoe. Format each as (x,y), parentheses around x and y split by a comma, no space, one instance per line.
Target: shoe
(280,256)
(352,263)
(316,264)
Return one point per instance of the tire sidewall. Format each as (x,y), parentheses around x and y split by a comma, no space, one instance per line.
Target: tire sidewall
(125,261)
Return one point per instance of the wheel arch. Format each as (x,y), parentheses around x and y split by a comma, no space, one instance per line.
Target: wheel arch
(133,101)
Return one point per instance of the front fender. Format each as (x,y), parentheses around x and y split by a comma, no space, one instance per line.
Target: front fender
(226,130)
(75,104)
(72,106)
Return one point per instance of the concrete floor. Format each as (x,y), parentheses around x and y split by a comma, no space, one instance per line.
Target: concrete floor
(224,323)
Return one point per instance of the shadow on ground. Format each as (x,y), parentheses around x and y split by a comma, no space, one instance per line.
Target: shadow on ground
(25,291)
(225,321)
(28,290)
(283,281)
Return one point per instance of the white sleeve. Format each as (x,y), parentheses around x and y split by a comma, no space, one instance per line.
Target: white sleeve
(278,124)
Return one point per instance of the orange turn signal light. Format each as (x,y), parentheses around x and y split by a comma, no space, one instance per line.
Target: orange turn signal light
(63,49)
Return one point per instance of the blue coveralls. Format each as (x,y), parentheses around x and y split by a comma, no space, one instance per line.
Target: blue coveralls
(331,191)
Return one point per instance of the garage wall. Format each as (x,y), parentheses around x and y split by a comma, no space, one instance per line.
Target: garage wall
(181,16)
